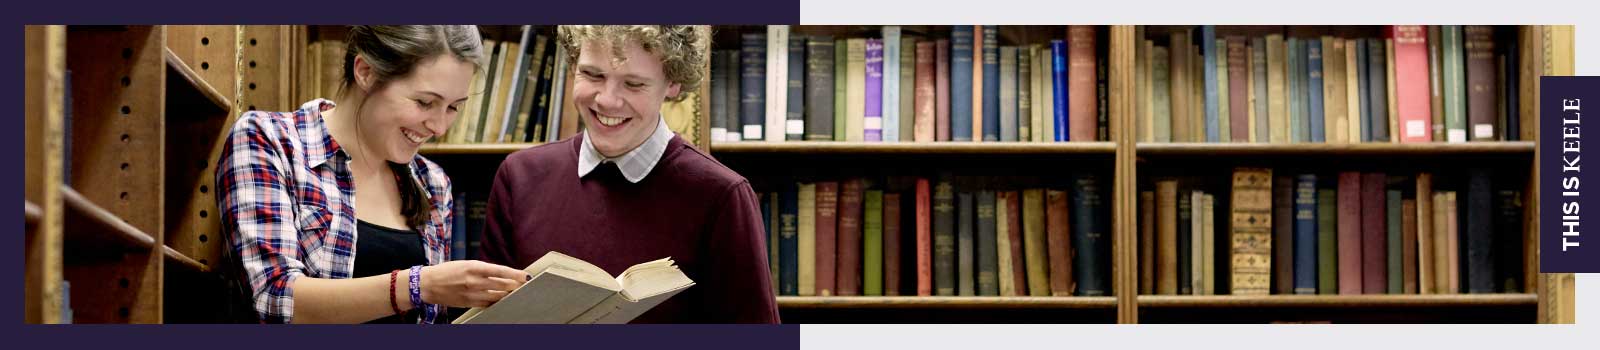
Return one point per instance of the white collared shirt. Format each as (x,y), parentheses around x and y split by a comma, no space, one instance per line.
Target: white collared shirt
(634,164)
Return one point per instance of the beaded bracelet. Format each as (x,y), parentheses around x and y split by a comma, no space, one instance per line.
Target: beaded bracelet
(392,303)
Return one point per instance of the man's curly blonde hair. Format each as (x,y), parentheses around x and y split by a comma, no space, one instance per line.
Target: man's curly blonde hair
(683,49)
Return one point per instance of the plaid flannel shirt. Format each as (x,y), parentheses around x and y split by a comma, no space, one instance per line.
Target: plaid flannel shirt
(287,200)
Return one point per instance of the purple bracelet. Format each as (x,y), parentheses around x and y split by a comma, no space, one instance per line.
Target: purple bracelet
(416,289)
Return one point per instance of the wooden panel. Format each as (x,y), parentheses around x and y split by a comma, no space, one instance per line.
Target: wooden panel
(1557,290)
(212,52)
(42,103)
(266,63)
(193,230)
(124,288)
(1125,267)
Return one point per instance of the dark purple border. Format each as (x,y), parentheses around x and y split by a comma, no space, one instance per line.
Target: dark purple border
(1584,258)
(351,12)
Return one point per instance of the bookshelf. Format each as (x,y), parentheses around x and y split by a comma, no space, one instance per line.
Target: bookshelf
(119,205)
(1544,298)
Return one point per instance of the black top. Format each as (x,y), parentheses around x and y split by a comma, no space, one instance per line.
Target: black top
(380,250)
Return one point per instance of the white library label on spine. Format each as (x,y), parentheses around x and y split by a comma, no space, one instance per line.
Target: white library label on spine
(874,123)
(719,134)
(753,131)
(1456,135)
(795,127)
(1483,130)
(1414,128)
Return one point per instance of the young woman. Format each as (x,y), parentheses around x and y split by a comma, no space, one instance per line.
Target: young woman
(330,212)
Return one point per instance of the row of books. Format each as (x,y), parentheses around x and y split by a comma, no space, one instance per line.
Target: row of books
(1414,84)
(964,85)
(518,95)
(854,237)
(1345,233)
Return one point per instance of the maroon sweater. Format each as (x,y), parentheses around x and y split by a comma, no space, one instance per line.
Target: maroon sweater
(690,208)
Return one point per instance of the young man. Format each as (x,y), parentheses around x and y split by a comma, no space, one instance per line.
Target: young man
(628,190)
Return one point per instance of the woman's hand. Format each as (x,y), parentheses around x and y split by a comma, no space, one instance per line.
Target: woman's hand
(469,283)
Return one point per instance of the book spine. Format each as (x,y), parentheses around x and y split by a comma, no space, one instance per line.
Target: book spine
(1296,99)
(941,105)
(1262,131)
(1208,52)
(1058,74)
(1408,252)
(1452,234)
(988,282)
(788,241)
(1002,244)
(1377,89)
(873,125)
(1008,94)
(872,243)
(1277,107)
(850,238)
(1090,237)
(1481,87)
(719,97)
(1044,64)
(1314,91)
(1025,94)
(908,78)
(924,238)
(961,44)
(1411,83)
(926,102)
(753,80)
(1238,95)
(1251,237)
(1034,241)
(807,239)
(1327,241)
(777,82)
(1147,242)
(1305,234)
(769,209)
(855,90)
(1283,220)
(944,238)
(1335,120)
(891,244)
(733,90)
(827,242)
(1352,93)
(991,84)
(1161,90)
(1081,97)
(795,109)
(1208,243)
(1395,244)
(1508,222)
(819,88)
(1426,269)
(1166,274)
(1014,240)
(965,261)
(1350,211)
(1455,92)
(1058,242)
(841,87)
(1224,92)
(1480,232)
(1374,274)
(890,102)
(977,82)
(1185,229)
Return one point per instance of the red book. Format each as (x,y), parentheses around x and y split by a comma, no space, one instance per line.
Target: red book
(1349,232)
(1238,96)
(924,238)
(827,229)
(1374,234)
(1019,271)
(1082,112)
(925,101)
(849,273)
(941,106)
(891,244)
(1058,242)
(1411,83)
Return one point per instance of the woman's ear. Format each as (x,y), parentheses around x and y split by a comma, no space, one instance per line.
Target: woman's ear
(363,73)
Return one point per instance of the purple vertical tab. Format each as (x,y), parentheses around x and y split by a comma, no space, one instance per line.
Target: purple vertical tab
(1563,246)
(874,123)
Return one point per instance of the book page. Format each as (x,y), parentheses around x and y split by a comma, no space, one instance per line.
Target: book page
(552,297)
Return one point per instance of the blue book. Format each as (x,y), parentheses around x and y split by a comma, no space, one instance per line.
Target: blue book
(458,227)
(961,83)
(1208,52)
(794,127)
(752,85)
(1058,79)
(991,83)
(1305,234)
(1314,89)
(788,240)
(1361,84)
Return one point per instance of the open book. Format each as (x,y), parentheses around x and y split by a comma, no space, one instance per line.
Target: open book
(567,290)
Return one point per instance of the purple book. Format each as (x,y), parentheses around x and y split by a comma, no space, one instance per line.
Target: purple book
(874,123)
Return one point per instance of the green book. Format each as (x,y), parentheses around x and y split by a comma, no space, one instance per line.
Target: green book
(872,246)
(1327,241)
(1455,90)
(908,88)
(840,56)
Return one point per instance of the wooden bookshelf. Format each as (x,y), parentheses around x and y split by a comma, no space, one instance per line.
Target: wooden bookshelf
(914,302)
(1337,301)
(31,214)
(924,148)
(1523,148)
